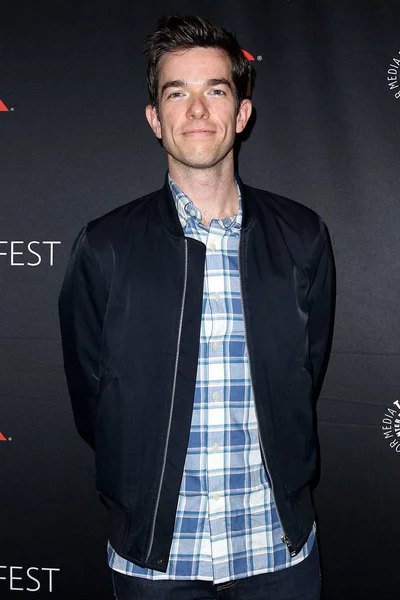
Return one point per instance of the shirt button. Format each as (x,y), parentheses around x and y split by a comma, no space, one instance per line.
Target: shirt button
(216,497)
(215,345)
(215,396)
(216,296)
(192,212)
(215,447)
(212,246)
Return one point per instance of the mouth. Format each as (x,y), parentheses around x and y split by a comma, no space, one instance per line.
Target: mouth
(200,132)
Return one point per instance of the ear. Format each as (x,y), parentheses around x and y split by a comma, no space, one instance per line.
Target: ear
(153,120)
(243,115)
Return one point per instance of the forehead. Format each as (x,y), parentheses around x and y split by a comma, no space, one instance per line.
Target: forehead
(194,65)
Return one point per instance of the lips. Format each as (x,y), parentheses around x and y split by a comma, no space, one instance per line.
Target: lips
(198,131)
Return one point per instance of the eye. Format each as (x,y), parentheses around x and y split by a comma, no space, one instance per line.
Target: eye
(175,95)
(218,92)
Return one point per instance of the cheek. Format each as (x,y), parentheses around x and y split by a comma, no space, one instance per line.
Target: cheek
(226,116)
(169,121)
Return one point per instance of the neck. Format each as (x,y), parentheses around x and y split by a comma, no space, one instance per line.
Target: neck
(212,190)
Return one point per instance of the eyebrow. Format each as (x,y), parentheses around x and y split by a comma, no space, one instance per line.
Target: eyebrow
(208,83)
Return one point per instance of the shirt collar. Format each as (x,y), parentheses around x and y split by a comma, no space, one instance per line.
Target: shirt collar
(187,210)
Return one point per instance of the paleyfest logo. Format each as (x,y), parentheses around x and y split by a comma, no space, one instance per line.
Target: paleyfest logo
(26,579)
(4,108)
(391,426)
(393,76)
(3,438)
(18,253)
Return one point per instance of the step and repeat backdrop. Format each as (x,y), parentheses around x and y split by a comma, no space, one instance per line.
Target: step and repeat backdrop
(74,143)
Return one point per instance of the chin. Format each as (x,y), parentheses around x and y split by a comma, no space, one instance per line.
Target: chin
(196,163)
(198,160)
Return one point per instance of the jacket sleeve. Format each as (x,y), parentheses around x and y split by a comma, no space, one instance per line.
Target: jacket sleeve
(82,305)
(321,299)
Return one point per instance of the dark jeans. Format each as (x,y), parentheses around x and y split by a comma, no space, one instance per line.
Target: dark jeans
(301,582)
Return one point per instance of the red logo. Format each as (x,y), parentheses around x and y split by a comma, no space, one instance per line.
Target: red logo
(2,438)
(248,55)
(3,107)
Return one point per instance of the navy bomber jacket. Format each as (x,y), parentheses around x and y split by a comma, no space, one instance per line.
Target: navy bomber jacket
(130,312)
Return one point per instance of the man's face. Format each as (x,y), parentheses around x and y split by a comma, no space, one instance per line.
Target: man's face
(197,119)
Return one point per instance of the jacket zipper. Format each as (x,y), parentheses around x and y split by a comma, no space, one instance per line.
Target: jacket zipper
(285,538)
(172,406)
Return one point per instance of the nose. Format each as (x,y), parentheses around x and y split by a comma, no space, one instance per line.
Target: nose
(197,108)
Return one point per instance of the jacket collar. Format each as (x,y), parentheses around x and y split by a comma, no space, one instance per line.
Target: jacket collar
(169,214)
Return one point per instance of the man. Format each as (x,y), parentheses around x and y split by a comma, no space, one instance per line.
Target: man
(196,323)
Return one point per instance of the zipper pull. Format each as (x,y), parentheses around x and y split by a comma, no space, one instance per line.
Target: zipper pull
(288,543)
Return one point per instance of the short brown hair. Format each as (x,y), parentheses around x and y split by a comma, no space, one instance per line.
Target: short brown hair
(176,32)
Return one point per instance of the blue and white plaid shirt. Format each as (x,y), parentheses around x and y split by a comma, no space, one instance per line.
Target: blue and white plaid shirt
(226,525)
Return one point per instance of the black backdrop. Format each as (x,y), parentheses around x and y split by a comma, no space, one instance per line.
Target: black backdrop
(74,143)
